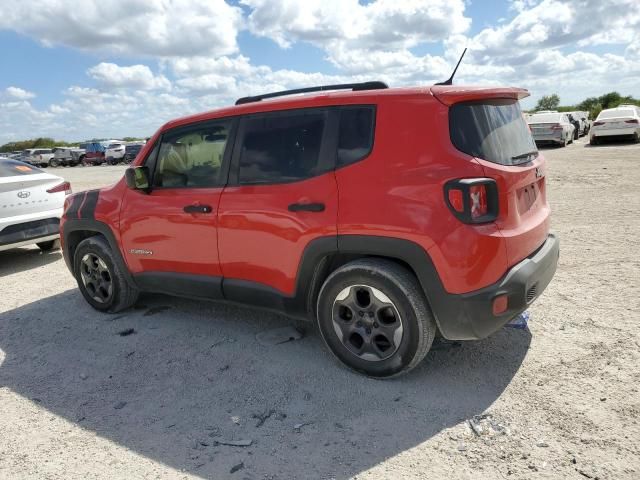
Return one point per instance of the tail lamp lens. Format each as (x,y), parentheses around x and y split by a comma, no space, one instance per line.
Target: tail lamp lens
(478,194)
(595,124)
(456,200)
(63,187)
(557,126)
(472,200)
(635,120)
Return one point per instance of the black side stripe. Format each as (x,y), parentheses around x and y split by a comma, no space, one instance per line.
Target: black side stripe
(76,201)
(89,205)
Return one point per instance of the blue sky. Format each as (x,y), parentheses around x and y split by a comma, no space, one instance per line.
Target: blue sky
(76,69)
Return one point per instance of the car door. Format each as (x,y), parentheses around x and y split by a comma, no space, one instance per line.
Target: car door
(282,195)
(169,234)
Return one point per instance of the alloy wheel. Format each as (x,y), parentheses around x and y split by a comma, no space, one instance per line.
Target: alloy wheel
(367,322)
(96,278)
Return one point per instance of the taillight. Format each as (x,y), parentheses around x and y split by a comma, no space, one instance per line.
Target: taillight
(635,120)
(472,200)
(595,124)
(63,187)
(557,126)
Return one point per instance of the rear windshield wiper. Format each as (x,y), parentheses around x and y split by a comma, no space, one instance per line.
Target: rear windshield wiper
(526,155)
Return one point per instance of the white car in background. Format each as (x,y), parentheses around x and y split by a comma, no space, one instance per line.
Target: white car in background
(39,157)
(551,127)
(31,204)
(114,152)
(616,122)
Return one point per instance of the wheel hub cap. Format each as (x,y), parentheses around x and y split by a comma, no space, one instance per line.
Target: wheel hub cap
(367,322)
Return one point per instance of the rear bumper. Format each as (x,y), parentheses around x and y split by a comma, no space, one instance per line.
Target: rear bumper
(27,233)
(614,132)
(547,139)
(470,316)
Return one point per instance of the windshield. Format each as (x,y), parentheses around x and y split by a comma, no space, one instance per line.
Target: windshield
(545,118)
(623,112)
(493,130)
(13,168)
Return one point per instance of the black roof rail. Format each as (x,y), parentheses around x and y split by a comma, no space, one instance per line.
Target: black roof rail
(376,85)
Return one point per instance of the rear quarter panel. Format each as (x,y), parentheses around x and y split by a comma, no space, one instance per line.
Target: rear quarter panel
(398,191)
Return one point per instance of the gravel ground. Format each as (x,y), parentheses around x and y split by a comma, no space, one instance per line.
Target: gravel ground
(560,400)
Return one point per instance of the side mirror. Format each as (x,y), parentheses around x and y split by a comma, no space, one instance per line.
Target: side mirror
(137,178)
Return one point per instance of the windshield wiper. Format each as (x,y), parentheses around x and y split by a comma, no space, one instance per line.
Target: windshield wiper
(526,155)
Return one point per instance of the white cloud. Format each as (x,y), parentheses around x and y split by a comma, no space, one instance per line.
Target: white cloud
(141,27)
(135,76)
(19,93)
(386,24)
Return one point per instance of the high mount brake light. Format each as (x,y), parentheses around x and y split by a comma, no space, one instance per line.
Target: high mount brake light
(472,200)
(63,187)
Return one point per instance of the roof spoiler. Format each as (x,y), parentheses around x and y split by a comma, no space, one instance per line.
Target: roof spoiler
(375,85)
(450,95)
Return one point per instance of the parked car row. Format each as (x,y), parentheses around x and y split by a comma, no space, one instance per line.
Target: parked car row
(551,128)
(86,154)
(558,128)
(562,128)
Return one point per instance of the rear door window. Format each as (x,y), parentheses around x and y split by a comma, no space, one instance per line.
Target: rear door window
(493,130)
(281,147)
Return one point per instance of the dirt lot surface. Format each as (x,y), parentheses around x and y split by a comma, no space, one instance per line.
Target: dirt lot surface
(560,400)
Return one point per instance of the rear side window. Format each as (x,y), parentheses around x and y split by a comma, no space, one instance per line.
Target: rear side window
(12,168)
(282,147)
(493,130)
(355,137)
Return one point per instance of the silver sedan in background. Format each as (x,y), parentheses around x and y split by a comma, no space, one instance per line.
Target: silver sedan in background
(551,128)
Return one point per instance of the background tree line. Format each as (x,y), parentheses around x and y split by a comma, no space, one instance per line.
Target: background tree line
(593,105)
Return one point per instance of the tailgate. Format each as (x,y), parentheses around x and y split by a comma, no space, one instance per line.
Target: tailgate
(523,217)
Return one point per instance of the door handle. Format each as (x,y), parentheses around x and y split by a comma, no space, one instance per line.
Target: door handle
(198,209)
(306,207)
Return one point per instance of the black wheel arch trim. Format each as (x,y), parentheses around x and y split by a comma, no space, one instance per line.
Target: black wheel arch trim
(94,226)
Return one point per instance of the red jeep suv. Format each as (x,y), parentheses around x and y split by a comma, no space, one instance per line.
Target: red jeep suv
(385,215)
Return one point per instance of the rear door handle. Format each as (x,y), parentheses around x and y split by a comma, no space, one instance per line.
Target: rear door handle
(306,207)
(198,209)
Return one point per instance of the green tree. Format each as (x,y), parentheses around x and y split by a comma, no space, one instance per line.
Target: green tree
(548,102)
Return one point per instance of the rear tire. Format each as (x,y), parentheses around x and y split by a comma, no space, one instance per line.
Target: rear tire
(636,137)
(54,163)
(374,318)
(594,141)
(100,280)
(49,246)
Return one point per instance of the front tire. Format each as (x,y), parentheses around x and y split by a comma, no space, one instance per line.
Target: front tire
(374,318)
(100,280)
